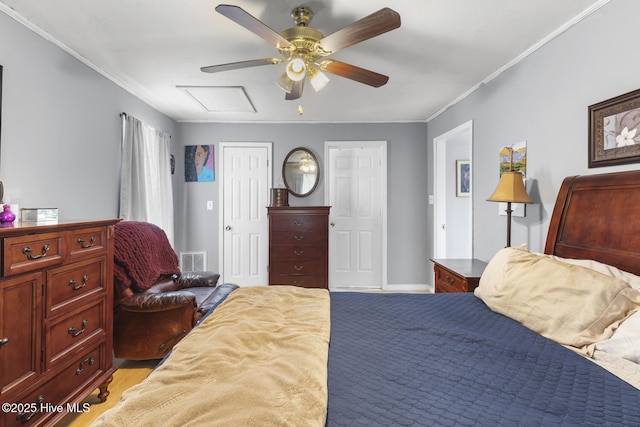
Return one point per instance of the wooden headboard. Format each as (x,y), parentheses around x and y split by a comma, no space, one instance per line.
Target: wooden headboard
(598,217)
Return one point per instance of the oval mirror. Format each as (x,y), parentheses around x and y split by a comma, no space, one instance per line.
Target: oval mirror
(300,172)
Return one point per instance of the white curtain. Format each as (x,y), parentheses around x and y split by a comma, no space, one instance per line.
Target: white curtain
(146,192)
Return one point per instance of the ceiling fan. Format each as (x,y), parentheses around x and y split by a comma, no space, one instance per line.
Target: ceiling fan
(305,49)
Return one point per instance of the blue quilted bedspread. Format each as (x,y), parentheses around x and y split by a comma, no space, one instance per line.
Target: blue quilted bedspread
(447,360)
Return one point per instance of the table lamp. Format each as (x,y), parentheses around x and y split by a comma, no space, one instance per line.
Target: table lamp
(510,190)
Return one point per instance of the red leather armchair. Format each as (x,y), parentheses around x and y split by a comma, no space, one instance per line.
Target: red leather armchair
(155,304)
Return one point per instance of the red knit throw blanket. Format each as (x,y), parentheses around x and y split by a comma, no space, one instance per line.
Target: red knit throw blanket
(142,253)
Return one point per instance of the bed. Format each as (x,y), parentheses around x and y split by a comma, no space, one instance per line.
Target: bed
(537,344)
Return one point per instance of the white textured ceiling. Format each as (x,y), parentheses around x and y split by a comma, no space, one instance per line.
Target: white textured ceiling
(442,51)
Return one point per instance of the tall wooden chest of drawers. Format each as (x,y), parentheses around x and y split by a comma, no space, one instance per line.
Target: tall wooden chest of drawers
(299,246)
(56,316)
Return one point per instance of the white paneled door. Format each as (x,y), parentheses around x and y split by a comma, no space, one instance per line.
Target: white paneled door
(245,181)
(356,192)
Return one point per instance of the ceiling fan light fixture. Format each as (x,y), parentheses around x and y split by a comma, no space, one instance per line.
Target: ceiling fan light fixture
(285,83)
(296,69)
(317,78)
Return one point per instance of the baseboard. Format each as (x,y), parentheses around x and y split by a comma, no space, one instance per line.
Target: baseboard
(396,287)
(418,287)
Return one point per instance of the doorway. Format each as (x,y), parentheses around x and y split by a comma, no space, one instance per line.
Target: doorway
(356,190)
(453,211)
(245,179)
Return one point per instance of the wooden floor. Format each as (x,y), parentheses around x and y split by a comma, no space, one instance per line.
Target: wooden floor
(128,374)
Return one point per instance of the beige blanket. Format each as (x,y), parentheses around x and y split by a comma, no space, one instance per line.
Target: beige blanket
(259,360)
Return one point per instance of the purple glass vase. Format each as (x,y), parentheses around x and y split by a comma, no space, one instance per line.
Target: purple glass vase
(7,215)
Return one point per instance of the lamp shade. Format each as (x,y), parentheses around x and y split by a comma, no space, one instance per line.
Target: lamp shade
(317,78)
(510,189)
(285,82)
(296,69)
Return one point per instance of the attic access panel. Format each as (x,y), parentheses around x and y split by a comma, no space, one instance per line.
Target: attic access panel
(221,99)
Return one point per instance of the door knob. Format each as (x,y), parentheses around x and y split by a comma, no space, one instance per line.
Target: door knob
(333,224)
(228,227)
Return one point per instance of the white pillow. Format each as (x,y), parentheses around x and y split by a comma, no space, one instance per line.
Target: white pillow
(625,341)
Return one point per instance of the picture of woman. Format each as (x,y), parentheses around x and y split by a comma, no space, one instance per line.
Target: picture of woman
(198,163)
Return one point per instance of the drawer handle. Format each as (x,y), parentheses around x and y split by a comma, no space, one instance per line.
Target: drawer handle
(28,251)
(92,240)
(297,252)
(72,331)
(4,341)
(450,280)
(89,360)
(298,282)
(298,267)
(72,283)
(298,222)
(25,417)
(298,237)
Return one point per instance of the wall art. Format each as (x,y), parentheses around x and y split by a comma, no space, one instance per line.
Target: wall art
(199,163)
(614,131)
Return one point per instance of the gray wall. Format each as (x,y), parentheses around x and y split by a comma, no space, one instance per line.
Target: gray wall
(60,147)
(544,100)
(409,239)
(61,134)
(60,142)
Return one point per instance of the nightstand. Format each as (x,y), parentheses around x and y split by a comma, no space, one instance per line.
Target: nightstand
(456,274)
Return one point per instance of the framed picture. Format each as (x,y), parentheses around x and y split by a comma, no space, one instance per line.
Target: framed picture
(514,157)
(614,137)
(198,163)
(463,178)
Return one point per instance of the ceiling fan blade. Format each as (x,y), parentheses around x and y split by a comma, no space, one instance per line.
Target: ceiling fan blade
(370,26)
(296,91)
(354,73)
(244,18)
(241,64)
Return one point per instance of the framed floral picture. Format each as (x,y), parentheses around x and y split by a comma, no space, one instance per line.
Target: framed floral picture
(614,135)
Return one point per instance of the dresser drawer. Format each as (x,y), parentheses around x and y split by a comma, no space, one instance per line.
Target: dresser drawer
(312,281)
(300,267)
(86,242)
(69,284)
(61,388)
(449,282)
(70,332)
(444,287)
(297,252)
(298,222)
(298,238)
(32,252)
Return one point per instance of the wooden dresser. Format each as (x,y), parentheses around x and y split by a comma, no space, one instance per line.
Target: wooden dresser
(299,246)
(56,316)
(457,274)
